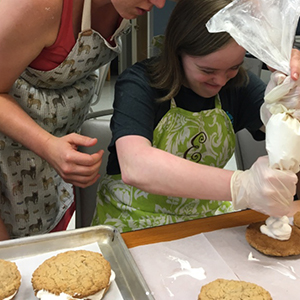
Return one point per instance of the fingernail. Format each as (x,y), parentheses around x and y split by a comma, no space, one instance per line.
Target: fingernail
(296,76)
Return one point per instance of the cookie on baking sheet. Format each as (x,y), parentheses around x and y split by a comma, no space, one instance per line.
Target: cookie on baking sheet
(80,274)
(297,219)
(10,279)
(223,289)
(270,246)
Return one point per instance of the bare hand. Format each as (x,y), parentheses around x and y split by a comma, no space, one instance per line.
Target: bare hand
(80,169)
(295,64)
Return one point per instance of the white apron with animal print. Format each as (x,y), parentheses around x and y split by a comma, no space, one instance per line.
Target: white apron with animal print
(33,196)
(205,137)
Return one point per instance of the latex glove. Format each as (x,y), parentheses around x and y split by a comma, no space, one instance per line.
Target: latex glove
(287,90)
(282,95)
(269,191)
(276,79)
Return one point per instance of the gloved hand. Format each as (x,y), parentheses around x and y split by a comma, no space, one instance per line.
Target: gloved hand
(276,79)
(288,90)
(269,191)
(282,95)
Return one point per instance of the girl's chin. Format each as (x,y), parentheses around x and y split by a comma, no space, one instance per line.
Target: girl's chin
(210,92)
(207,91)
(213,90)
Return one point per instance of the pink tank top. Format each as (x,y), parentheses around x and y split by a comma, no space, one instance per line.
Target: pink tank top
(53,56)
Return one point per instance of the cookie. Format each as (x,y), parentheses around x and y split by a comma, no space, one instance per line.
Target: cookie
(223,289)
(79,274)
(297,219)
(10,279)
(270,246)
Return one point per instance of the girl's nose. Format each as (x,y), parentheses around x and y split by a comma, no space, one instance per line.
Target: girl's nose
(221,80)
(158,3)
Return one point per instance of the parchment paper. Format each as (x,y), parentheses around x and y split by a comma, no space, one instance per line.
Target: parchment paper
(280,276)
(27,266)
(161,265)
(222,254)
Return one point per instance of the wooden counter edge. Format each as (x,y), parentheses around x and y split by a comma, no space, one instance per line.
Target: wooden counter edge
(189,228)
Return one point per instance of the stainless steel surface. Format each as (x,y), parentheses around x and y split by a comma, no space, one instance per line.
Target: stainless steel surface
(128,277)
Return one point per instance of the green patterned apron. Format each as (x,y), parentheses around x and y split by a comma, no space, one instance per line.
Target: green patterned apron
(205,137)
(34,197)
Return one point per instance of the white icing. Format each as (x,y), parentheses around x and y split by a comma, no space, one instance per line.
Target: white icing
(186,269)
(45,295)
(10,297)
(277,228)
(251,257)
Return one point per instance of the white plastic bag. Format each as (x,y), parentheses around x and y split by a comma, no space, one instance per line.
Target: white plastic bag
(283,141)
(266,29)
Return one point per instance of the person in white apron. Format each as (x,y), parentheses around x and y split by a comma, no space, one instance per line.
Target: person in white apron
(173,131)
(43,109)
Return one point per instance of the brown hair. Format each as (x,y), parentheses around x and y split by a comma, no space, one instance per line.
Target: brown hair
(186,32)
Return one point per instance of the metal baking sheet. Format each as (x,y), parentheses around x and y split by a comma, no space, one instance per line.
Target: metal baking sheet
(128,277)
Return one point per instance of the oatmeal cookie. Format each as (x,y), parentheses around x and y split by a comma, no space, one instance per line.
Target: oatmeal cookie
(270,246)
(297,219)
(79,274)
(223,289)
(10,279)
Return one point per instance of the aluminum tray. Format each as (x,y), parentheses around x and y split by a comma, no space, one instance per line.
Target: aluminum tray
(128,277)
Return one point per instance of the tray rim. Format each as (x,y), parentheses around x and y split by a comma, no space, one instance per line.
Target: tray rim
(112,231)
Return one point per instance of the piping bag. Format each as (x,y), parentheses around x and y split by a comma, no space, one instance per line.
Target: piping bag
(266,29)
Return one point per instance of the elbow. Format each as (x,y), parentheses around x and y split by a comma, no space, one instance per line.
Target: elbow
(129,177)
(137,170)
(134,176)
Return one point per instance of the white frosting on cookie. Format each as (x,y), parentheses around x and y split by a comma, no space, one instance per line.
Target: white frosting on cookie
(10,297)
(45,295)
(277,228)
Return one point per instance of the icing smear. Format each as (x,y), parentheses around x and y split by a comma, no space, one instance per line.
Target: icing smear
(277,228)
(186,269)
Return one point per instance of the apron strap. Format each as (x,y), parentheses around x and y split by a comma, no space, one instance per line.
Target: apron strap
(173,103)
(218,102)
(123,26)
(86,15)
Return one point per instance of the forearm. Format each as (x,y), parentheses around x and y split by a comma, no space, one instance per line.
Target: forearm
(15,123)
(61,153)
(159,172)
